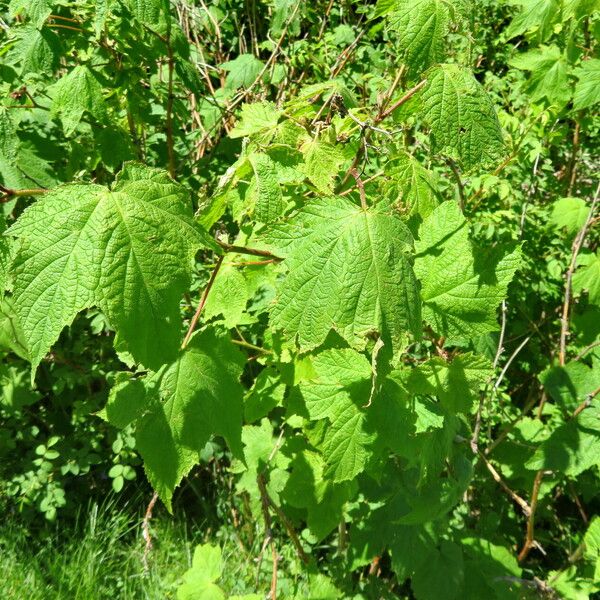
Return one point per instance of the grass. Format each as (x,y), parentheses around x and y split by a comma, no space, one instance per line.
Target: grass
(100,557)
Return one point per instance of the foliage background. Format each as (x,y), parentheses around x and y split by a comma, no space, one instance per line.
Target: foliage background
(88,86)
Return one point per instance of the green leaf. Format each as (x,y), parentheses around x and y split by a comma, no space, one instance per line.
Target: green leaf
(441,576)
(101,15)
(322,161)
(339,392)
(9,142)
(461,116)
(569,213)
(37,50)
(348,271)
(37,10)
(571,384)
(269,204)
(127,401)
(15,392)
(592,546)
(461,286)
(242,71)
(535,16)
(266,393)
(456,384)
(185,404)
(147,11)
(421,27)
(587,88)
(76,93)
(488,570)
(549,74)
(587,279)
(228,296)
(570,585)
(53,272)
(577,9)
(127,250)
(260,117)
(11,334)
(413,188)
(199,580)
(308,488)
(571,448)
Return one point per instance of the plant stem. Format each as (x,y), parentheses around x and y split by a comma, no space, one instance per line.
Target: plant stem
(577,244)
(169,117)
(146,531)
(8,194)
(529,540)
(250,251)
(386,113)
(250,346)
(202,302)
(282,517)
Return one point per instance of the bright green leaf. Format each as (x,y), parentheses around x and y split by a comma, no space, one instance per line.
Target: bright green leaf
(549,74)
(76,93)
(535,15)
(587,88)
(349,271)
(461,287)
(339,392)
(421,27)
(260,117)
(571,448)
(242,71)
(587,279)
(461,116)
(127,250)
(269,204)
(569,213)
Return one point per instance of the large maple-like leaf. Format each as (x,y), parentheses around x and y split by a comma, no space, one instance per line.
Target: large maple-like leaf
(127,250)
(338,393)
(461,287)
(461,116)
(178,409)
(349,270)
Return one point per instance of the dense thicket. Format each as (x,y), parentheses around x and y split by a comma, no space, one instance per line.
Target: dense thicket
(336,261)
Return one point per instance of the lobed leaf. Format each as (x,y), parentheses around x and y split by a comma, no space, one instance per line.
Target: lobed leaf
(461,287)
(349,270)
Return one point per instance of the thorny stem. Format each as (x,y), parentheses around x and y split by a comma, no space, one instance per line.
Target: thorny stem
(264,497)
(270,60)
(478,418)
(586,403)
(461,188)
(572,167)
(361,188)
(564,329)
(498,479)
(364,182)
(250,346)
(379,117)
(386,113)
